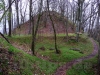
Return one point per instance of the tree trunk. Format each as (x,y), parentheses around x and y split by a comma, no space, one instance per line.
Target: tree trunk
(17,12)
(4,27)
(9,20)
(33,37)
(98,35)
(66,24)
(79,19)
(32,23)
(4,37)
(99,59)
(34,31)
(30,12)
(55,37)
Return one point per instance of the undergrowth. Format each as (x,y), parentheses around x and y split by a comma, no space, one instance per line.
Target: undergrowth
(29,65)
(84,46)
(86,67)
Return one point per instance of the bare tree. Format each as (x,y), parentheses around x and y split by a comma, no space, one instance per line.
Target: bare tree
(23,12)
(9,20)
(35,30)
(17,11)
(55,37)
(98,35)
(79,18)
(4,19)
(30,16)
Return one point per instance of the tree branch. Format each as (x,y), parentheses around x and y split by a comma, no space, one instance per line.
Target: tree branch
(4,37)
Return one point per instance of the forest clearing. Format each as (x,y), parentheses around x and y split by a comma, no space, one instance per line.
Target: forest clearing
(49,37)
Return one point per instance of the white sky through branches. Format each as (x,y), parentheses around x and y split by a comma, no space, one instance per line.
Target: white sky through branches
(24,3)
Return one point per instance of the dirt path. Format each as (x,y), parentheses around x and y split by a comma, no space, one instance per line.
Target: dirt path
(63,69)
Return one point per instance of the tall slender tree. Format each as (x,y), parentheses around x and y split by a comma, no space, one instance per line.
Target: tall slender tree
(30,16)
(4,19)
(9,17)
(35,28)
(55,37)
(98,35)
(79,18)
(17,11)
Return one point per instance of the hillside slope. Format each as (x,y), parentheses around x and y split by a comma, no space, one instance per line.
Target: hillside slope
(16,62)
(45,24)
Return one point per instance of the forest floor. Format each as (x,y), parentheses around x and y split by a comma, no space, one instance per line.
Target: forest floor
(7,63)
(62,70)
(17,62)
(50,63)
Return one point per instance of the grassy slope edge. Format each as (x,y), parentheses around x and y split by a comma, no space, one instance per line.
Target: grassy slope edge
(29,65)
(86,67)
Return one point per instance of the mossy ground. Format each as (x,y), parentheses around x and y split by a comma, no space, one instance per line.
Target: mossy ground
(86,67)
(33,65)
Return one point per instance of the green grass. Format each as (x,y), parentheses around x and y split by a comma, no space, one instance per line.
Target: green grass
(48,67)
(29,65)
(84,68)
(66,55)
(59,35)
(84,45)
